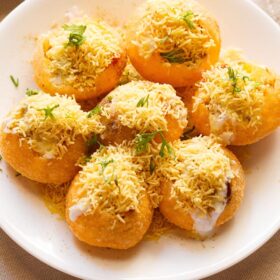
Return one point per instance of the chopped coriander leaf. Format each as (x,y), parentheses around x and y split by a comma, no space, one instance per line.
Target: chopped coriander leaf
(144,101)
(174,56)
(96,110)
(188,18)
(30,92)
(1,158)
(233,75)
(15,81)
(105,163)
(76,37)
(164,145)
(245,78)
(142,141)
(49,111)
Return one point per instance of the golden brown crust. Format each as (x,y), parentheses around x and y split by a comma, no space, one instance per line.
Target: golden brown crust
(183,220)
(178,75)
(97,230)
(105,82)
(31,165)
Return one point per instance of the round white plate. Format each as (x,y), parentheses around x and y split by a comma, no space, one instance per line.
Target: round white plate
(24,217)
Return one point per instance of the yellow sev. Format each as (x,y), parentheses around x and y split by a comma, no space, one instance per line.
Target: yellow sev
(197,173)
(233,92)
(50,124)
(110,182)
(144,105)
(163,26)
(79,66)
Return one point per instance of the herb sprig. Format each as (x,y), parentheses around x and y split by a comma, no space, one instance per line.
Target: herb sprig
(49,111)
(95,111)
(233,76)
(31,92)
(142,141)
(174,56)
(164,146)
(15,81)
(105,163)
(144,101)
(188,18)
(76,36)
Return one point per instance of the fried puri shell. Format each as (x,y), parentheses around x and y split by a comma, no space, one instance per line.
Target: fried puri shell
(179,217)
(105,81)
(32,165)
(155,67)
(97,229)
(270,117)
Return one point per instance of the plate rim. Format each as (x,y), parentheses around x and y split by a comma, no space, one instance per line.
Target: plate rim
(237,257)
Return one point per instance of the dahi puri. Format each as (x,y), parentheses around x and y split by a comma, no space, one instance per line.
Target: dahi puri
(107,205)
(44,137)
(237,101)
(84,58)
(142,107)
(173,41)
(202,185)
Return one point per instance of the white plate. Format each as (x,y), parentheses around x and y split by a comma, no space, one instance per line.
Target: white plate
(24,217)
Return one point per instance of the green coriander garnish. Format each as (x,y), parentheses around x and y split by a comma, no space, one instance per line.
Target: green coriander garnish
(49,111)
(76,36)
(174,56)
(188,18)
(1,158)
(142,141)
(105,163)
(144,101)
(95,111)
(15,81)
(30,92)
(164,145)
(233,75)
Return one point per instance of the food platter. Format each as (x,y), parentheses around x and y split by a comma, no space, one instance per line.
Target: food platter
(24,217)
